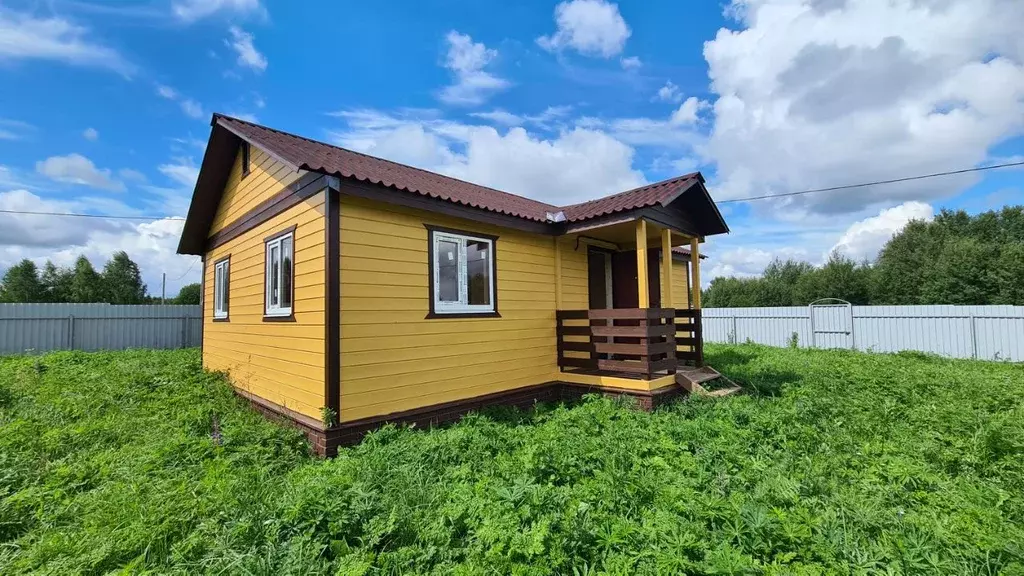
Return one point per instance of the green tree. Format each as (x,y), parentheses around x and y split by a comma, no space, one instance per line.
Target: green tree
(189,294)
(903,263)
(962,274)
(21,284)
(122,281)
(1009,275)
(86,283)
(56,283)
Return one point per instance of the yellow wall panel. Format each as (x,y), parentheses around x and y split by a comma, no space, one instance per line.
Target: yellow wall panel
(394,359)
(266,177)
(282,362)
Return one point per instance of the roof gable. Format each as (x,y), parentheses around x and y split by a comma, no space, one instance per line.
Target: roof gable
(686,192)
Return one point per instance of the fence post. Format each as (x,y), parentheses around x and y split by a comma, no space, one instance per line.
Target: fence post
(974,339)
(853,336)
(71,331)
(735,334)
(184,332)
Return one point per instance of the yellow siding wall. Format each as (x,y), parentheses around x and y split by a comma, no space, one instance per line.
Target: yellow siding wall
(575,292)
(266,178)
(282,362)
(392,359)
(680,295)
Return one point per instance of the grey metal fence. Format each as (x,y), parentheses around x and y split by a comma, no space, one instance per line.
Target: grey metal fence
(28,328)
(982,332)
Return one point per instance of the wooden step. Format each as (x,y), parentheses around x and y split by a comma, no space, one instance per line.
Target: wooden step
(691,379)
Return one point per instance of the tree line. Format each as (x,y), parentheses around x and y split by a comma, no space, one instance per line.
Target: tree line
(120,282)
(954,259)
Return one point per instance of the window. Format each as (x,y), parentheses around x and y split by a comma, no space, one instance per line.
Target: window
(221,271)
(280,274)
(463,271)
(245,159)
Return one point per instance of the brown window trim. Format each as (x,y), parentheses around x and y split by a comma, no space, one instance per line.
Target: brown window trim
(289,230)
(228,281)
(246,157)
(433,314)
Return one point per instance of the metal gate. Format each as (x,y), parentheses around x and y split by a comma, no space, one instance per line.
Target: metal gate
(832,324)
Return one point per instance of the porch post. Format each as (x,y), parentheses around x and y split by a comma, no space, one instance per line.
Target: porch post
(641,264)
(667,300)
(695,268)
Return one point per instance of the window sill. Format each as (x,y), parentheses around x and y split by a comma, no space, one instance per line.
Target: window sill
(288,318)
(223,319)
(436,315)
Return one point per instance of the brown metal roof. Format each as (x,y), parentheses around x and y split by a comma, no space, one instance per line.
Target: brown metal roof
(309,154)
(306,154)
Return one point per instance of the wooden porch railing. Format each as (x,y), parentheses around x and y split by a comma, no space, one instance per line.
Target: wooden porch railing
(628,342)
(689,334)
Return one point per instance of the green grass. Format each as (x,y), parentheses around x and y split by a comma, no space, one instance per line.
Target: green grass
(834,463)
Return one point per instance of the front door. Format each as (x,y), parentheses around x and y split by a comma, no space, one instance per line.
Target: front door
(625,292)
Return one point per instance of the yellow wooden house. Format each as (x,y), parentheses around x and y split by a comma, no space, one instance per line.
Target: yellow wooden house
(341,291)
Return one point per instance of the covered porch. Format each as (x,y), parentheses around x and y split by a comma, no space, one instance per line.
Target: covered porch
(643,321)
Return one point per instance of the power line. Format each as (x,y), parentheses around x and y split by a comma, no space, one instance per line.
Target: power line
(191,266)
(103,216)
(876,183)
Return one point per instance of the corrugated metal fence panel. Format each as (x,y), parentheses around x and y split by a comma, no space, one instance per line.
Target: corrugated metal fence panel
(44,327)
(983,332)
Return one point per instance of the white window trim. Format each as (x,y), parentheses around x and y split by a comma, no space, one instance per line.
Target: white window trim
(221,272)
(461,307)
(269,309)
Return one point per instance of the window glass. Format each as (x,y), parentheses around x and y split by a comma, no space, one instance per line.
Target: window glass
(280,275)
(220,290)
(478,264)
(286,272)
(448,270)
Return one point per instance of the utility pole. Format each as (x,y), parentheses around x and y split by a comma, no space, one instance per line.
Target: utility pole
(163,289)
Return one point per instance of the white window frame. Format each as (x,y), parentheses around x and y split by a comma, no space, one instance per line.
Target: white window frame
(462,306)
(270,308)
(221,285)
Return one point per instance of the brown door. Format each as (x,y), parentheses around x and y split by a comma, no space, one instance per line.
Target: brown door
(625,292)
(596,280)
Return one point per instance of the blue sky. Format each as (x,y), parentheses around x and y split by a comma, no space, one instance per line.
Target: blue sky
(106,107)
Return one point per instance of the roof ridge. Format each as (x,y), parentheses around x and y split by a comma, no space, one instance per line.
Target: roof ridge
(379,159)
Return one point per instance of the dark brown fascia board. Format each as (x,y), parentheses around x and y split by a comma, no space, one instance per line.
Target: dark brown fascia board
(387,194)
(656,215)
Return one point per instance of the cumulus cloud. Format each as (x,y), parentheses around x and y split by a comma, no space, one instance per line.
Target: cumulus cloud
(77,169)
(575,165)
(43,231)
(248,56)
(466,60)
(688,111)
(26,37)
(182,171)
(630,63)
(863,239)
(591,27)
(815,94)
(91,134)
(192,10)
(669,93)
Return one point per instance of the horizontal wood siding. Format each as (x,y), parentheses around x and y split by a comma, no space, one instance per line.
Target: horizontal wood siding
(266,177)
(282,362)
(392,358)
(680,293)
(575,294)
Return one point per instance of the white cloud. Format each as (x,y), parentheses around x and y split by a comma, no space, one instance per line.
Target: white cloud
(181,170)
(863,239)
(24,37)
(820,93)
(576,165)
(591,27)
(669,93)
(466,60)
(14,129)
(91,134)
(247,116)
(687,112)
(77,169)
(500,116)
(248,56)
(166,92)
(192,108)
(542,120)
(192,10)
(630,63)
(38,230)
(131,175)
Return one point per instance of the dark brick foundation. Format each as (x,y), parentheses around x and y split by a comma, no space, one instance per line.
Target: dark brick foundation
(325,441)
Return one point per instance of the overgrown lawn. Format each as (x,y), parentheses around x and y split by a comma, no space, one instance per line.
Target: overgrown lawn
(833,463)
